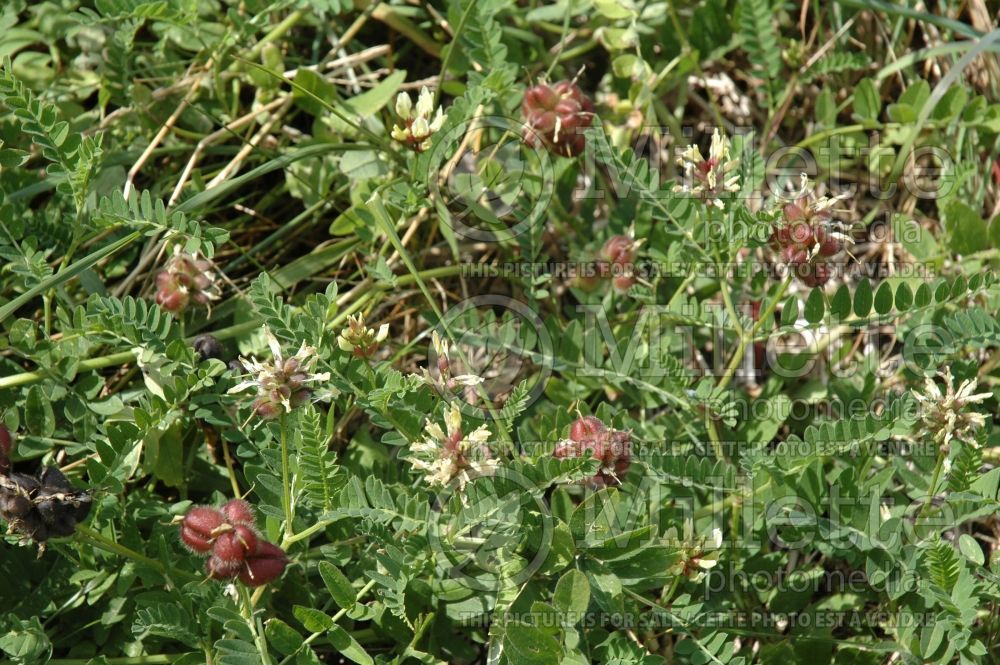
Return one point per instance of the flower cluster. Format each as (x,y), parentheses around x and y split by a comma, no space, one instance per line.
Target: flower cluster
(229,536)
(38,507)
(359,339)
(443,381)
(713,178)
(282,383)
(944,412)
(588,435)
(555,114)
(452,456)
(698,555)
(419,122)
(185,279)
(806,239)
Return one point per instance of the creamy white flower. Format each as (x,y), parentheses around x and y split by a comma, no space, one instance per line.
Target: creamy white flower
(425,102)
(447,456)
(698,554)
(420,122)
(444,381)
(281,383)
(709,178)
(944,415)
(404,107)
(359,339)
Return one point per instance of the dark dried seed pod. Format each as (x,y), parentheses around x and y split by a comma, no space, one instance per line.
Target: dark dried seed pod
(53,478)
(81,507)
(206,346)
(62,527)
(14,506)
(31,526)
(27,484)
(50,510)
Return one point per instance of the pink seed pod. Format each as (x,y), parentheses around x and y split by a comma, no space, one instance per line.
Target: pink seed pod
(590,437)
(172,298)
(619,249)
(6,448)
(554,114)
(235,545)
(586,428)
(622,283)
(266,565)
(218,569)
(239,511)
(198,527)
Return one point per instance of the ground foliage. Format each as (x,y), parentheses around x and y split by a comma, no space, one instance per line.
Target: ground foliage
(793,457)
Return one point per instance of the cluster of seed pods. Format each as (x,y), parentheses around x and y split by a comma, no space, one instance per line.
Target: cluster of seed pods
(184,280)
(38,507)
(556,115)
(618,262)
(588,435)
(228,535)
(805,242)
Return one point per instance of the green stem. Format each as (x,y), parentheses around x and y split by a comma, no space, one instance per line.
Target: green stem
(713,436)
(749,336)
(276,33)
(286,488)
(451,50)
(115,359)
(154,659)
(105,543)
(254,625)
(932,489)
(746,338)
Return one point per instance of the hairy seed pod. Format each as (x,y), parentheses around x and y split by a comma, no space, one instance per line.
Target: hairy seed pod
(13,506)
(555,115)
(235,545)
(197,529)
(55,480)
(217,569)
(266,565)
(586,428)
(239,511)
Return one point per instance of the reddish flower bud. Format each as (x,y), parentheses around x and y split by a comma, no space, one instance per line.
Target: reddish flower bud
(183,279)
(198,527)
(805,239)
(239,511)
(172,301)
(266,565)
